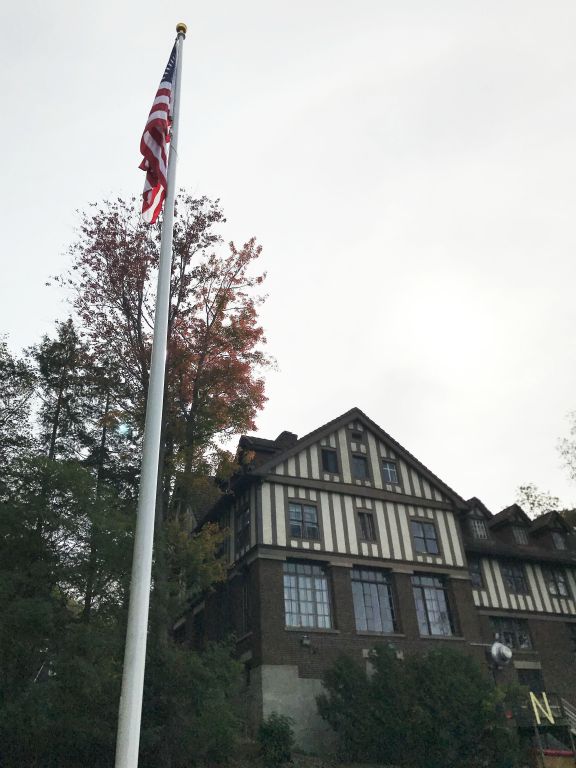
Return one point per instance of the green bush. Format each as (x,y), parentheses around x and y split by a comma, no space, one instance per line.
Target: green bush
(434,710)
(276,739)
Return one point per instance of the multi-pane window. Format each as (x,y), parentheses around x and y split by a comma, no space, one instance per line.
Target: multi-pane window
(571,629)
(520,534)
(367,528)
(514,578)
(389,472)
(432,606)
(373,603)
(303,521)
(479,529)
(424,537)
(242,531)
(360,467)
(559,540)
(475,570)
(556,582)
(329,461)
(306,598)
(512,632)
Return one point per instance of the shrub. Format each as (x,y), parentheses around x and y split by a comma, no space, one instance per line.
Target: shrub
(276,739)
(434,710)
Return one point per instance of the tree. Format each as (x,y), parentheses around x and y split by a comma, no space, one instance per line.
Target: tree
(16,392)
(534,501)
(433,710)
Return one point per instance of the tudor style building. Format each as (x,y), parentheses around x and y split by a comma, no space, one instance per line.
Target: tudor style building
(342,539)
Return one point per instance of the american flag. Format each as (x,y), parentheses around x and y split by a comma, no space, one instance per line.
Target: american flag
(154,144)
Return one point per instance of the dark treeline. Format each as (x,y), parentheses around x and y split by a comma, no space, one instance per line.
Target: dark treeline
(71,418)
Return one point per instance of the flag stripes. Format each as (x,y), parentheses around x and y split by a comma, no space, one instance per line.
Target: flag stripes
(154,144)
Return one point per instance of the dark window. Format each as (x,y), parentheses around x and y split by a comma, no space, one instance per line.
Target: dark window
(242,531)
(367,529)
(475,570)
(520,534)
(329,461)
(512,632)
(389,472)
(556,582)
(479,529)
(559,540)
(373,603)
(571,629)
(306,600)
(360,468)
(514,578)
(532,679)
(432,606)
(303,521)
(357,437)
(424,537)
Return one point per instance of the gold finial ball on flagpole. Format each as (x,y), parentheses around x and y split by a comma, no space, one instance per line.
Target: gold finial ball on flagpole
(181,28)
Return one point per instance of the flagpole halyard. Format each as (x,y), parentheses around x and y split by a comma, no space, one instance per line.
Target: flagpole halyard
(130,711)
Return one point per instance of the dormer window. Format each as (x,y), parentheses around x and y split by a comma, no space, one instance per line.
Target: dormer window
(559,540)
(479,529)
(520,534)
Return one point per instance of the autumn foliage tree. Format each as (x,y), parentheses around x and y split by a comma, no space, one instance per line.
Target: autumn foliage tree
(69,488)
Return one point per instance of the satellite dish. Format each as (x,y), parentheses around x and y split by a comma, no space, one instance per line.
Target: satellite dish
(500,654)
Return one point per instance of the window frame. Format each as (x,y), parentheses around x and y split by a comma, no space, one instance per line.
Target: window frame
(370,586)
(366,514)
(520,535)
(425,525)
(392,463)
(304,525)
(476,572)
(479,521)
(421,594)
(300,578)
(558,536)
(516,627)
(512,580)
(326,450)
(354,455)
(242,531)
(555,579)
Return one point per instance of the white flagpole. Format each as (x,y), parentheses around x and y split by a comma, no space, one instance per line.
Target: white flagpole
(130,714)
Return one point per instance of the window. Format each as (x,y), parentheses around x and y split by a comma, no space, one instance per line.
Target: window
(514,578)
(520,534)
(571,629)
(242,531)
(389,472)
(329,461)
(303,521)
(479,529)
(306,601)
(424,537)
(432,606)
(532,679)
(357,436)
(373,603)
(512,632)
(475,570)
(360,468)
(367,529)
(559,540)
(556,582)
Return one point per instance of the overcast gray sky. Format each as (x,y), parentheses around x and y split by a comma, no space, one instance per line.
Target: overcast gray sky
(408,166)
